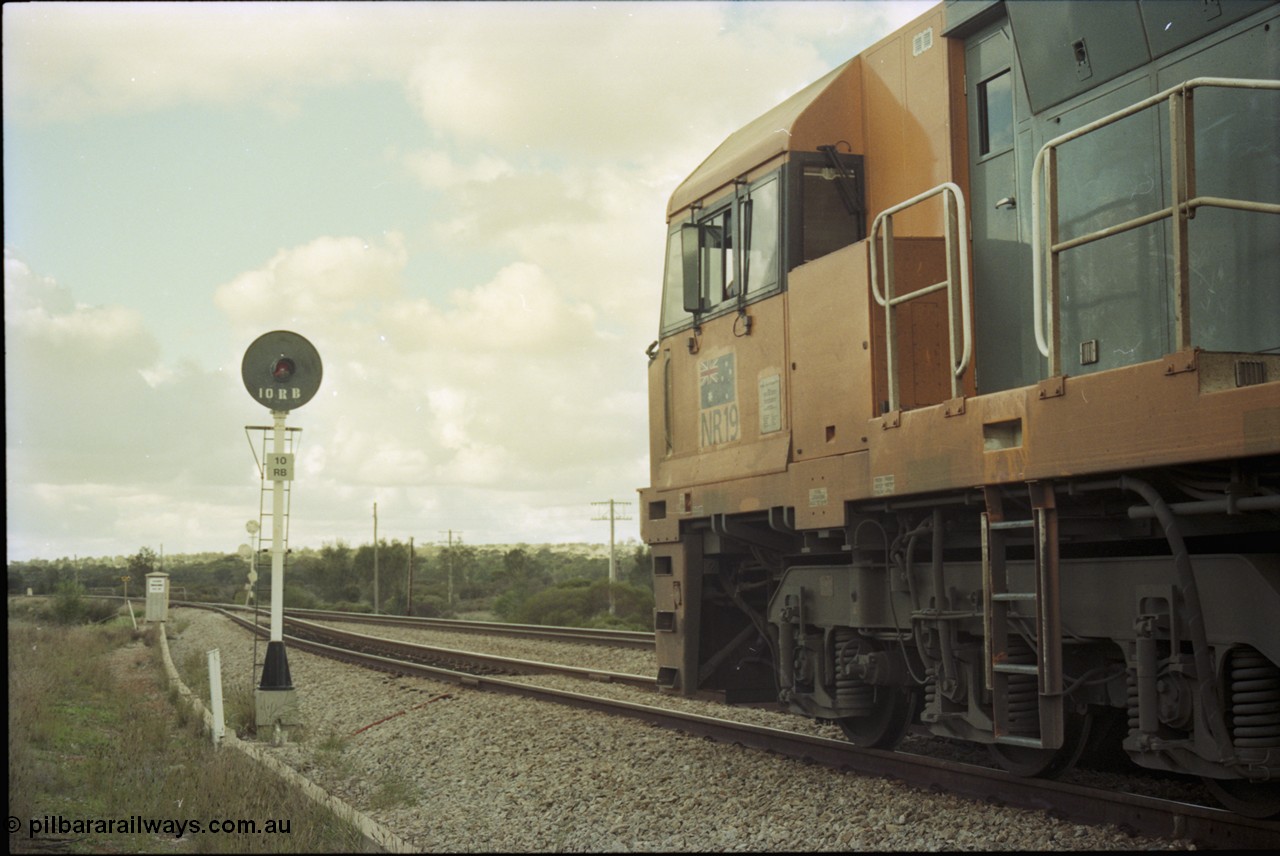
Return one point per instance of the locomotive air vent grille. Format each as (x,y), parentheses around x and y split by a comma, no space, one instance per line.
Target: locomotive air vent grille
(1250,372)
(1089,352)
(922,41)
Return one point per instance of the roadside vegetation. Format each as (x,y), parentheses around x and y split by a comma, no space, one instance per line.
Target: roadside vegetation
(565,585)
(93,736)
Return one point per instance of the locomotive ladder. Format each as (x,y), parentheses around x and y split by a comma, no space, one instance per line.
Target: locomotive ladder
(1001,608)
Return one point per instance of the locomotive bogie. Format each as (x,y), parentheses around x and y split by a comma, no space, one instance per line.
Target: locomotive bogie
(1103,602)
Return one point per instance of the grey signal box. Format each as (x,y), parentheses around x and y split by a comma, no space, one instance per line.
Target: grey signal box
(281,370)
(157,596)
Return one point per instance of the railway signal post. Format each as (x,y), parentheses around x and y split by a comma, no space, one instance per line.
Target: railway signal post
(282,371)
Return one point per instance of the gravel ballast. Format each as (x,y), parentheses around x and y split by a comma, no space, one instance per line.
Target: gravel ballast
(455,769)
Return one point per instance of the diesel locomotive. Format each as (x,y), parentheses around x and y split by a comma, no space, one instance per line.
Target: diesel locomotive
(965,407)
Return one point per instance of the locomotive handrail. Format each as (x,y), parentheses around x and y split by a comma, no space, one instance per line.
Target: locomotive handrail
(1181,208)
(956,235)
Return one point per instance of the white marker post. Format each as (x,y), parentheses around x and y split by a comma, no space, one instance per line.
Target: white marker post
(215,696)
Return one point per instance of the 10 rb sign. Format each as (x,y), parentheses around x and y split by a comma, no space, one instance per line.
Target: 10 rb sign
(280,466)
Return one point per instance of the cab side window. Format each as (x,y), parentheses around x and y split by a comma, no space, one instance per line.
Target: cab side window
(739,258)
(829,199)
(674,315)
(717,257)
(762,227)
(995,114)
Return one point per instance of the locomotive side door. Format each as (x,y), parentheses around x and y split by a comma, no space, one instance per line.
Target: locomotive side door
(1005,348)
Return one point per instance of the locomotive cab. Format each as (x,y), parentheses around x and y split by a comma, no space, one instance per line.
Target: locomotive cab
(965,411)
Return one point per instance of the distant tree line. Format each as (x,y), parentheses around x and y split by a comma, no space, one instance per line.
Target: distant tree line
(94,575)
(564,585)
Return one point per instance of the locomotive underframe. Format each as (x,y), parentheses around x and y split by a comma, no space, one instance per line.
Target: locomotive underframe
(776,608)
(860,597)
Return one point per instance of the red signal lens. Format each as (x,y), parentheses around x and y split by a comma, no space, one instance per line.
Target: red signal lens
(283,369)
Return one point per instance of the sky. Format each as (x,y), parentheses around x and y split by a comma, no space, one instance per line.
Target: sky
(460,205)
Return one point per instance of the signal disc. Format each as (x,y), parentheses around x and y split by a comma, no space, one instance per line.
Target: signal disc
(281,370)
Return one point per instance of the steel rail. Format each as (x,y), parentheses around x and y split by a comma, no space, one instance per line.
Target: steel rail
(619,638)
(472,659)
(551,633)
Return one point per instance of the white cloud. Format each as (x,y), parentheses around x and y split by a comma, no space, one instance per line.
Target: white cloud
(519,312)
(44,325)
(326,277)
(499,383)
(499,81)
(437,169)
(51,520)
(104,442)
(67,61)
(495,399)
(510,76)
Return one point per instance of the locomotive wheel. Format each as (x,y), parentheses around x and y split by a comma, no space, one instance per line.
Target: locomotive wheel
(1251,799)
(1047,763)
(887,723)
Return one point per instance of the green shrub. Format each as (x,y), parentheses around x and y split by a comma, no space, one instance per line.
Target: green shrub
(298,597)
(431,606)
(582,603)
(68,606)
(98,611)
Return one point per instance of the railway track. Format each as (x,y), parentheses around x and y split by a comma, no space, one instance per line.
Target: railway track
(615,638)
(471,662)
(1207,826)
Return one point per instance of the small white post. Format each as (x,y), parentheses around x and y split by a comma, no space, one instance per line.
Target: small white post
(215,695)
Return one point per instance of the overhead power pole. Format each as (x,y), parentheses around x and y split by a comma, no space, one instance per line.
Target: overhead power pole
(450,533)
(613,560)
(375,558)
(408,597)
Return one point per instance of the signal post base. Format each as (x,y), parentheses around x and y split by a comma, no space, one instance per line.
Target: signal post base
(276,707)
(275,700)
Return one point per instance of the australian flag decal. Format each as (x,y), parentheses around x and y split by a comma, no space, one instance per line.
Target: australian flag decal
(715,381)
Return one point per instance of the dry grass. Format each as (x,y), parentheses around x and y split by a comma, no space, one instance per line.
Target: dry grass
(93,735)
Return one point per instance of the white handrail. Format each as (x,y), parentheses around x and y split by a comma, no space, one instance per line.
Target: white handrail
(888,300)
(1038,264)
